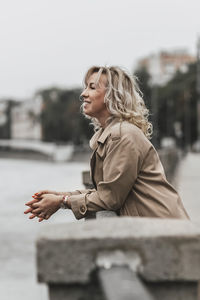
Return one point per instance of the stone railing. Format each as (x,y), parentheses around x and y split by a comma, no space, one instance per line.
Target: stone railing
(170,159)
(120,258)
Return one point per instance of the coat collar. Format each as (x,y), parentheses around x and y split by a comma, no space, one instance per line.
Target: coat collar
(101,135)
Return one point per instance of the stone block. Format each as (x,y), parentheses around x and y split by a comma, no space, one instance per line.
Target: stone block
(169,250)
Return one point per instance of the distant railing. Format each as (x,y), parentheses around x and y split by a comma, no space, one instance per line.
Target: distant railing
(49,150)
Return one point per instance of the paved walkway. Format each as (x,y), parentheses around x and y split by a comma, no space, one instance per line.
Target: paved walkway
(19,180)
(189,185)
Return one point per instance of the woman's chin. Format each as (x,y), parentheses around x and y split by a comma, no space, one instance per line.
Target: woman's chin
(87,112)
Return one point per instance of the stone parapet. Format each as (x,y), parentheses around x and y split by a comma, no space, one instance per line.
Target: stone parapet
(165,255)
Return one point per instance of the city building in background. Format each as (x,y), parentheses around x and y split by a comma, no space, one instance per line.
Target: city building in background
(163,65)
(25,120)
(6,107)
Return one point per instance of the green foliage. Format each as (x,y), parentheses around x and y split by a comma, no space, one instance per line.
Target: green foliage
(143,79)
(172,104)
(177,104)
(61,118)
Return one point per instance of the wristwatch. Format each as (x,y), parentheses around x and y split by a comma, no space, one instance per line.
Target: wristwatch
(63,204)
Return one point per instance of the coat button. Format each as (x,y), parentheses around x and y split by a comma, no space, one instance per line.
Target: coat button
(82,209)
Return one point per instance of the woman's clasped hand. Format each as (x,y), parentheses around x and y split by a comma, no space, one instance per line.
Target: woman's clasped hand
(44,204)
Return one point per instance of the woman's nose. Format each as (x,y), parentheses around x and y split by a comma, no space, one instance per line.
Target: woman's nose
(83,95)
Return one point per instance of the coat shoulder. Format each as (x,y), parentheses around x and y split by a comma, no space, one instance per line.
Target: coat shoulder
(126,129)
(131,135)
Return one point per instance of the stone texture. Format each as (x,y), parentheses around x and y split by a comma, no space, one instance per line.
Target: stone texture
(105,214)
(173,290)
(121,283)
(75,292)
(169,249)
(87,180)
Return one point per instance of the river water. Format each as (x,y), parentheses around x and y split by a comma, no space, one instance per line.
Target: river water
(19,179)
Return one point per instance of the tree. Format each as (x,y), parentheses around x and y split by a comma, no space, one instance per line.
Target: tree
(144,80)
(61,118)
(174,104)
(177,105)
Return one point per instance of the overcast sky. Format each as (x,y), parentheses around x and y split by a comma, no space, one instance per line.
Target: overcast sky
(53,42)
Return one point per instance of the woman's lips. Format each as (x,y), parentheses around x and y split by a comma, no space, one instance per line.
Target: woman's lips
(85,104)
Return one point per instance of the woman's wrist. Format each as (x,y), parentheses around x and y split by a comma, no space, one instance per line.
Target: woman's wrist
(63,193)
(60,200)
(68,201)
(65,202)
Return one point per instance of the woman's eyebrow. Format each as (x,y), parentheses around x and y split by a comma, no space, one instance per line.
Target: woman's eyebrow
(91,83)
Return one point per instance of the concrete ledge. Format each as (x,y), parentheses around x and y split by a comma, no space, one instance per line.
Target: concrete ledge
(169,250)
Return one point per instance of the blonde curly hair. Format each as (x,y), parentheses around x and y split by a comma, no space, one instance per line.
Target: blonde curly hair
(123,97)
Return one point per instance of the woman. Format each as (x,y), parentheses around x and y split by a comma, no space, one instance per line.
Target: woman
(125,168)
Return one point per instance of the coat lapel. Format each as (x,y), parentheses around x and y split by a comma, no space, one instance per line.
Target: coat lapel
(99,137)
(94,146)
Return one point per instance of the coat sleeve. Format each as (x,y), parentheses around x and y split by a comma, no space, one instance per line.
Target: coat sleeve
(78,192)
(120,169)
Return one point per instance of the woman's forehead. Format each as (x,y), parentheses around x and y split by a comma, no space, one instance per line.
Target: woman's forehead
(95,78)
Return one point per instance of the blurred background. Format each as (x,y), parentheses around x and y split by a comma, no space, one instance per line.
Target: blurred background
(46,48)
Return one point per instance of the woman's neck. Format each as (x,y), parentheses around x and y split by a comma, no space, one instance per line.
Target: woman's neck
(104,120)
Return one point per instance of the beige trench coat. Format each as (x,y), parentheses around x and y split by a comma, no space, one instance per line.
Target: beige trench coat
(128,177)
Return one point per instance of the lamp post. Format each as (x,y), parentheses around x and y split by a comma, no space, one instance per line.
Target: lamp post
(198,92)
(154,107)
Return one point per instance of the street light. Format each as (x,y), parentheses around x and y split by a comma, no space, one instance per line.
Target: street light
(198,92)
(196,147)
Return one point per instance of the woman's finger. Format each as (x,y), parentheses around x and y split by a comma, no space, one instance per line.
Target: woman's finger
(37,197)
(35,205)
(40,219)
(38,194)
(28,210)
(32,216)
(37,211)
(47,217)
(31,202)
(41,215)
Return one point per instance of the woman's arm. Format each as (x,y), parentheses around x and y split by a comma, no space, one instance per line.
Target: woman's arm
(46,203)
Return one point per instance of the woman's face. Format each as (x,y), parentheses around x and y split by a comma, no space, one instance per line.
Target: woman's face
(93,97)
